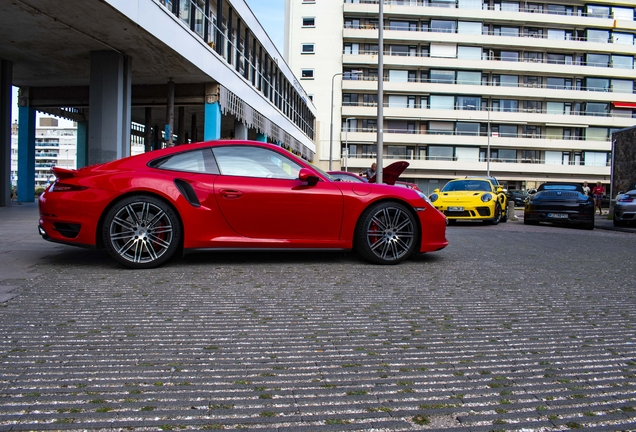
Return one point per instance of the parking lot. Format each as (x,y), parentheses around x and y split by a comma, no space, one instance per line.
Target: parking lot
(511,327)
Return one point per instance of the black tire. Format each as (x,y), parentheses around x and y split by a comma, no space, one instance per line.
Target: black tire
(387,233)
(141,232)
(451,221)
(589,225)
(497,216)
(618,223)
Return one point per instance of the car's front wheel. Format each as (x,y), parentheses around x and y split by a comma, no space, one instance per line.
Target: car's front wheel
(141,232)
(387,233)
(497,216)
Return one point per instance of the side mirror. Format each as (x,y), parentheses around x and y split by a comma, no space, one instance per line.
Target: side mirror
(499,189)
(307,175)
(436,191)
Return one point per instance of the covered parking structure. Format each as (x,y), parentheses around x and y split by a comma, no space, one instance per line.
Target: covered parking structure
(170,72)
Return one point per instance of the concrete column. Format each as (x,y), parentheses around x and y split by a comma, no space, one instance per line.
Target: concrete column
(261,137)
(82,144)
(6,78)
(109,106)
(212,113)
(26,148)
(193,129)
(148,129)
(181,126)
(169,128)
(240,130)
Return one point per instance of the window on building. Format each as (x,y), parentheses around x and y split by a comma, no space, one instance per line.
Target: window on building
(442,102)
(508,105)
(622,86)
(507,155)
(596,109)
(622,38)
(469,28)
(597,84)
(619,13)
(598,11)
(622,62)
(353,23)
(467,77)
(598,60)
(462,128)
(403,25)
(601,36)
(595,158)
(351,48)
(511,56)
(442,76)
(370,99)
(307,48)
(534,57)
(509,80)
(440,153)
(469,53)
(555,108)
(506,31)
(532,106)
(507,130)
(441,26)
(471,103)
(401,76)
(443,50)
(441,128)
(349,99)
(469,4)
(399,50)
(467,154)
(596,134)
(309,22)
(307,74)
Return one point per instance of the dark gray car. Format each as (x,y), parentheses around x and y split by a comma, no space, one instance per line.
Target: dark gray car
(625,207)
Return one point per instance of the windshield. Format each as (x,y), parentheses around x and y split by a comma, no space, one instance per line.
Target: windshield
(467,185)
(560,187)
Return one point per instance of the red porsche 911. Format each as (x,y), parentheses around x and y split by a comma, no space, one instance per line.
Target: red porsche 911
(232,195)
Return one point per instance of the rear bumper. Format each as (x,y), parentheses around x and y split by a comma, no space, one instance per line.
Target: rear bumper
(556,215)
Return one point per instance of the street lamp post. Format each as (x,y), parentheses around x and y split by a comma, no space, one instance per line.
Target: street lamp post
(347,141)
(488,145)
(380,121)
(331,118)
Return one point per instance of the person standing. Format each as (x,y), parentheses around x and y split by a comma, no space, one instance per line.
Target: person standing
(598,193)
(586,189)
(370,172)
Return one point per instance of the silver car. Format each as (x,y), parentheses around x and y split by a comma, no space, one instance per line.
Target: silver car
(625,208)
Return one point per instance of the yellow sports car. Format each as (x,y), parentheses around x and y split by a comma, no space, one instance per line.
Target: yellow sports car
(472,199)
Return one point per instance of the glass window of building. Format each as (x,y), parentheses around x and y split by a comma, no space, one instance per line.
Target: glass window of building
(469,4)
(441,102)
(532,106)
(598,11)
(307,74)
(595,158)
(351,23)
(442,3)
(351,48)
(596,109)
(512,56)
(399,50)
(534,57)
(622,62)
(441,128)
(598,60)
(601,36)
(401,76)
(556,34)
(622,86)
(469,27)
(507,130)
(396,126)
(398,101)
(309,22)
(469,53)
(462,128)
(509,80)
(595,134)
(443,50)
(554,108)
(597,84)
(622,38)
(308,48)
(507,6)
(442,26)
(471,103)
(396,152)
(620,13)
(441,76)
(370,99)
(440,153)
(506,31)
(508,105)
(467,77)
(349,99)
(507,155)
(467,154)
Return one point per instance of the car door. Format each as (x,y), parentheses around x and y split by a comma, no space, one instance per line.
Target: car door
(260,196)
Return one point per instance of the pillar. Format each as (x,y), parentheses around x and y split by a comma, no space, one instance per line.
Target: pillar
(109,106)
(169,126)
(212,113)
(26,148)
(240,130)
(148,129)
(181,126)
(82,144)
(6,78)
(261,137)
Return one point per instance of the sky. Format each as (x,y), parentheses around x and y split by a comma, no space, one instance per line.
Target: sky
(270,13)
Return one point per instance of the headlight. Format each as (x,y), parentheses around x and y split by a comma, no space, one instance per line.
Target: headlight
(486,197)
(423,196)
(433,198)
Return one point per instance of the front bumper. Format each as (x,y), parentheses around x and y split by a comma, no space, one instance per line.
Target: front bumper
(470,212)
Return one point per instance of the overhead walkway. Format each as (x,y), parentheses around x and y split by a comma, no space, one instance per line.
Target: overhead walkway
(168,71)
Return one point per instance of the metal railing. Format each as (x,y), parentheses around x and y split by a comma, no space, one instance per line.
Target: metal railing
(457,5)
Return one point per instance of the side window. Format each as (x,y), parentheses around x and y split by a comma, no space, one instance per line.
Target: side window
(246,161)
(200,161)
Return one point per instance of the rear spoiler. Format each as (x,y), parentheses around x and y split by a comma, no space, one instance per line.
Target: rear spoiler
(63,173)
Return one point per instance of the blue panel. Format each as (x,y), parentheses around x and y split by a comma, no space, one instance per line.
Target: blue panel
(212,122)
(261,137)
(82,144)
(26,154)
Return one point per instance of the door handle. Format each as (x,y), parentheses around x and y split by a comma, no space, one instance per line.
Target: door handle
(230,193)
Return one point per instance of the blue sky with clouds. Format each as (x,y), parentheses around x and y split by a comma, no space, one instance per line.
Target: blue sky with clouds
(271,15)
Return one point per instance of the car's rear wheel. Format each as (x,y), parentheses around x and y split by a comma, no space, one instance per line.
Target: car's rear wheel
(387,233)
(497,216)
(141,232)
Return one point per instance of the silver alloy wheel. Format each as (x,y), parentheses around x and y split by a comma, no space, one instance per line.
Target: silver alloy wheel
(390,233)
(141,232)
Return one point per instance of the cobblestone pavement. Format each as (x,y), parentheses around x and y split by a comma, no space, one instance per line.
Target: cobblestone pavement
(511,327)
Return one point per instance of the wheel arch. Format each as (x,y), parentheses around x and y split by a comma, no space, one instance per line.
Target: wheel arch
(410,208)
(99,241)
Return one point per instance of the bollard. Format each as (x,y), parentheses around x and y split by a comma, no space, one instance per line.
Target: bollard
(511,210)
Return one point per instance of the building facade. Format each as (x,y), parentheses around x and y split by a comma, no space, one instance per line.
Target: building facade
(541,84)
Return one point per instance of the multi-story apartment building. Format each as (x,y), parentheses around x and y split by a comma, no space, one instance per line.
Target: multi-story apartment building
(56,145)
(542,84)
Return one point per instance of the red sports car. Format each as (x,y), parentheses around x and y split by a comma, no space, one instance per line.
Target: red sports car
(232,195)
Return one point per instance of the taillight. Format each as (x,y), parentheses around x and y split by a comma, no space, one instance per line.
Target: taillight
(626,199)
(65,187)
